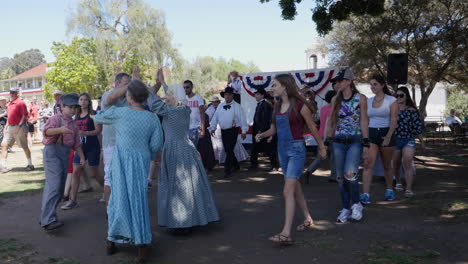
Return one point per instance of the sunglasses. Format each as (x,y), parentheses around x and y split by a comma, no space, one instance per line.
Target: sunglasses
(400,95)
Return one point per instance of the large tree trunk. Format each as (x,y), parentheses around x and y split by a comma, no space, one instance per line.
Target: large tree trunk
(425,93)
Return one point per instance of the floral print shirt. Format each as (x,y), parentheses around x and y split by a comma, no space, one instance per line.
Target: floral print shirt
(349,117)
(409,124)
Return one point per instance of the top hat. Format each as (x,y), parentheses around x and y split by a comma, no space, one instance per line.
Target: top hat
(229,90)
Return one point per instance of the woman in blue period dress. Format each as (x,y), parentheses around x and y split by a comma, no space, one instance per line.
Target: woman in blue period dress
(184,194)
(291,113)
(139,137)
(347,128)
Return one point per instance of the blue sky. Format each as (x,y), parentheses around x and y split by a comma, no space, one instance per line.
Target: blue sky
(245,29)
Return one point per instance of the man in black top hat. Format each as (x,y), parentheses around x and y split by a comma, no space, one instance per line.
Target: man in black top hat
(262,122)
(230,117)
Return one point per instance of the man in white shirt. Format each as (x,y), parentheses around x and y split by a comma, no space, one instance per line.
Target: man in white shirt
(230,116)
(197,116)
(236,84)
(453,121)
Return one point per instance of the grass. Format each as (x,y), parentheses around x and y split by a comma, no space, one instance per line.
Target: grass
(18,182)
(14,252)
(385,254)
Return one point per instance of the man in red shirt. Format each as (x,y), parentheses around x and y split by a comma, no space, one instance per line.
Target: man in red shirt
(16,129)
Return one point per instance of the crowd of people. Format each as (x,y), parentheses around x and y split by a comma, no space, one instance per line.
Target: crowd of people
(135,130)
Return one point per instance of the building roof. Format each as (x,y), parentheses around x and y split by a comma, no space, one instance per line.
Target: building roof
(39,70)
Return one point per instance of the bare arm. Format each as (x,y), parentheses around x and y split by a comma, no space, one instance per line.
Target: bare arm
(330,124)
(269,133)
(393,122)
(117,93)
(201,109)
(364,119)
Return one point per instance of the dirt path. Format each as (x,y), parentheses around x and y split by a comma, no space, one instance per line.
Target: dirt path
(431,228)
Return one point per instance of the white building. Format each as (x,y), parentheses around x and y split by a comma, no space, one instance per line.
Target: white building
(30,82)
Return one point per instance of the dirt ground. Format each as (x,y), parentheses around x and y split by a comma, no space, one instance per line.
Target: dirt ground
(430,228)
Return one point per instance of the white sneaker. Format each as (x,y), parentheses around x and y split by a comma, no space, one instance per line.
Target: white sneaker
(399,187)
(344,216)
(356,211)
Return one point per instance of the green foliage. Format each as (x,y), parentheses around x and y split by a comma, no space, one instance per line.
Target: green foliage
(127,33)
(457,99)
(75,68)
(26,60)
(430,32)
(326,12)
(210,75)
(20,63)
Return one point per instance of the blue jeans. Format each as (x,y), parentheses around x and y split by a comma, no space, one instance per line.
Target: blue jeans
(292,158)
(194,134)
(347,160)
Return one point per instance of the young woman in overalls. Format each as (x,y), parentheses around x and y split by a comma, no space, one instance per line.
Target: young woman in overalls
(347,129)
(291,113)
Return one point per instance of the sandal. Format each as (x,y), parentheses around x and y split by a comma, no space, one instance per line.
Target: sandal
(282,239)
(306,225)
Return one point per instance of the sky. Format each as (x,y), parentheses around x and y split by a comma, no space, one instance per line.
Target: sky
(246,30)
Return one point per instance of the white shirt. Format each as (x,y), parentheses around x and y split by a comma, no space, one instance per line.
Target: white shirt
(236,85)
(210,111)
(380,117)
(194,103)
(450,120)
(229,118)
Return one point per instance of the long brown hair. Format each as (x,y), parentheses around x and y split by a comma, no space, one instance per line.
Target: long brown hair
(338,99)
(90,105)
(292,90)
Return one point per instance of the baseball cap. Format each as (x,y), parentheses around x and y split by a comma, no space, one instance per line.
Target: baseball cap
(14,89)
(345,74)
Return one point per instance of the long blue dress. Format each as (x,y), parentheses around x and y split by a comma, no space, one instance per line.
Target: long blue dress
(139,137)
(184,193)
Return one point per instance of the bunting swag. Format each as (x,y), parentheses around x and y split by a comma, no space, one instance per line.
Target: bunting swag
(317,79)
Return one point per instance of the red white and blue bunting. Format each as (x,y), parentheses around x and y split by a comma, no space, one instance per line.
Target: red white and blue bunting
(317,79)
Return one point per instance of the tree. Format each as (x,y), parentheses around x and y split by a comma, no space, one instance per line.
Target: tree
(26,60)
(457,99)
(209,75)
(75,68)
(127,33)
(326,12)
(431,32)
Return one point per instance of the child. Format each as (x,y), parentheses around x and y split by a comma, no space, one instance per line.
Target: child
(60,135)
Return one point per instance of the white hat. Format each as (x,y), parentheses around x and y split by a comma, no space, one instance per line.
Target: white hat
(57,92)
(214,98)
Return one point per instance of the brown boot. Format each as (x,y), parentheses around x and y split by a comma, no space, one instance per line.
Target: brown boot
(143,253)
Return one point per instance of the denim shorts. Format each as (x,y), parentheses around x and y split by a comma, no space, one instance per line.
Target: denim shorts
(347,158)
(291,156)
(405,143)
(376,136)
(91,156)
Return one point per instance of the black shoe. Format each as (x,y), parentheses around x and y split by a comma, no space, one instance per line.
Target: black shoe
(236,169)
(110,248)
(273,168)
(29,168)
(253,167)
(227,175)
(53,226)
